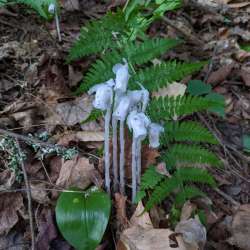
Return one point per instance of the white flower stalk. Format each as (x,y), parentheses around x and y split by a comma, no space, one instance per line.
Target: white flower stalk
(52,10)
(138,123)
(103,101)
(121,83)
(155,130)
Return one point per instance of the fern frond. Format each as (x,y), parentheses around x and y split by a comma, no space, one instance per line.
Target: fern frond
(189,154)
(139,53)
(156,77)
(162,191)
(148,181)
(99,35)
(187,193)
(186,131)
(194,175)
(166,108)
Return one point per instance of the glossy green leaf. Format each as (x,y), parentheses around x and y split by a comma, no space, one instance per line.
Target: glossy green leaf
(82,217)
(198,87)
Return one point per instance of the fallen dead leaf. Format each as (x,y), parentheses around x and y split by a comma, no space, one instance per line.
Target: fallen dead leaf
(137,238)
(187,210)
(38,193)
(81,136)
(241,228)
(74,76)
(71,5)
(245,75)
(239,5)
(221,74)
(120,205)
(174,89)
(141,219)
(76,173)
(10,204)
(7,178)
(13,241)
(193,232)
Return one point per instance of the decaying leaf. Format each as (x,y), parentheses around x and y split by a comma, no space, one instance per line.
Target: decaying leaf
(38,193)
(174,89)
(141,219)
(76,173)
(241,228)
(82,136)
(7,178)
(137,238)
(120,204)
(193,232)
(10,204)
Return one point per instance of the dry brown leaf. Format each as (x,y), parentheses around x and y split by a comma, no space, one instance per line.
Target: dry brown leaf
(10,204)
(221,74)
(120,205)
(141,219)
(71,5)
(38,193)
(77,172)
(193,232)
(241,227)
(137,238)
(74,76)
(239,5)
(7,178)
(245,75)
(82,136)
(174,89)
(187,210)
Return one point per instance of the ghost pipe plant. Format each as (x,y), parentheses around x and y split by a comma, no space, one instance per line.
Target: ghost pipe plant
(103,101)
(52,9)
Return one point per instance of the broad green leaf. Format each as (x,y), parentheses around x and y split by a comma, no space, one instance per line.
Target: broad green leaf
(245,47)
(246,143)
(197,87)
(82,217)
(217,97)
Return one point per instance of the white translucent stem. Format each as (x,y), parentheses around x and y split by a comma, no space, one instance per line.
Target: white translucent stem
(58,27)
(106,150)
(134,144)
(122,158)
(115,162)
(138,163)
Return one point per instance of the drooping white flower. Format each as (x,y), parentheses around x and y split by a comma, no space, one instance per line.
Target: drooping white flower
(103,95)
(155,130)
(52,8)
(138,122)
(121,111)
(139,98)
(122,77)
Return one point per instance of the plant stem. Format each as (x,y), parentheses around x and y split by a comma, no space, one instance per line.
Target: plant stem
(134,144)
(115,162)
(106,150)
(138,163)
(125,6)
(58,27)
(122,158)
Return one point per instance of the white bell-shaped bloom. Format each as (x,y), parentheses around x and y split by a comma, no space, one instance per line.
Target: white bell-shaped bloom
(52,8)
(155,130)
(103,95)
(139,97)
(122,77)
(138,123)
(121,111)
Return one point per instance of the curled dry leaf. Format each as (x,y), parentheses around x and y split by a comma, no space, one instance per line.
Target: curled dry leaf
(77,172)
(7,178)
(174,89)
(241,228)
(141,219)
(10,204)
(193,233)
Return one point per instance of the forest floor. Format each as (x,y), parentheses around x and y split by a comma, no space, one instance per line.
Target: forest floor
(36,87)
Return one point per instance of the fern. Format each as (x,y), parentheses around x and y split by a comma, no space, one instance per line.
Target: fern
(136,53)
(187,193)
(197,175)
(186,131)
(167,108)
(99,35)
(189,154)
(156,77)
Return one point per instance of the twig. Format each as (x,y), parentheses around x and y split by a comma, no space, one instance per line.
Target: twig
(28,191)
(227,197)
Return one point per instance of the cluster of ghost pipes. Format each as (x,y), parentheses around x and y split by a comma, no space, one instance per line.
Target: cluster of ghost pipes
(131,105)
(52,9)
